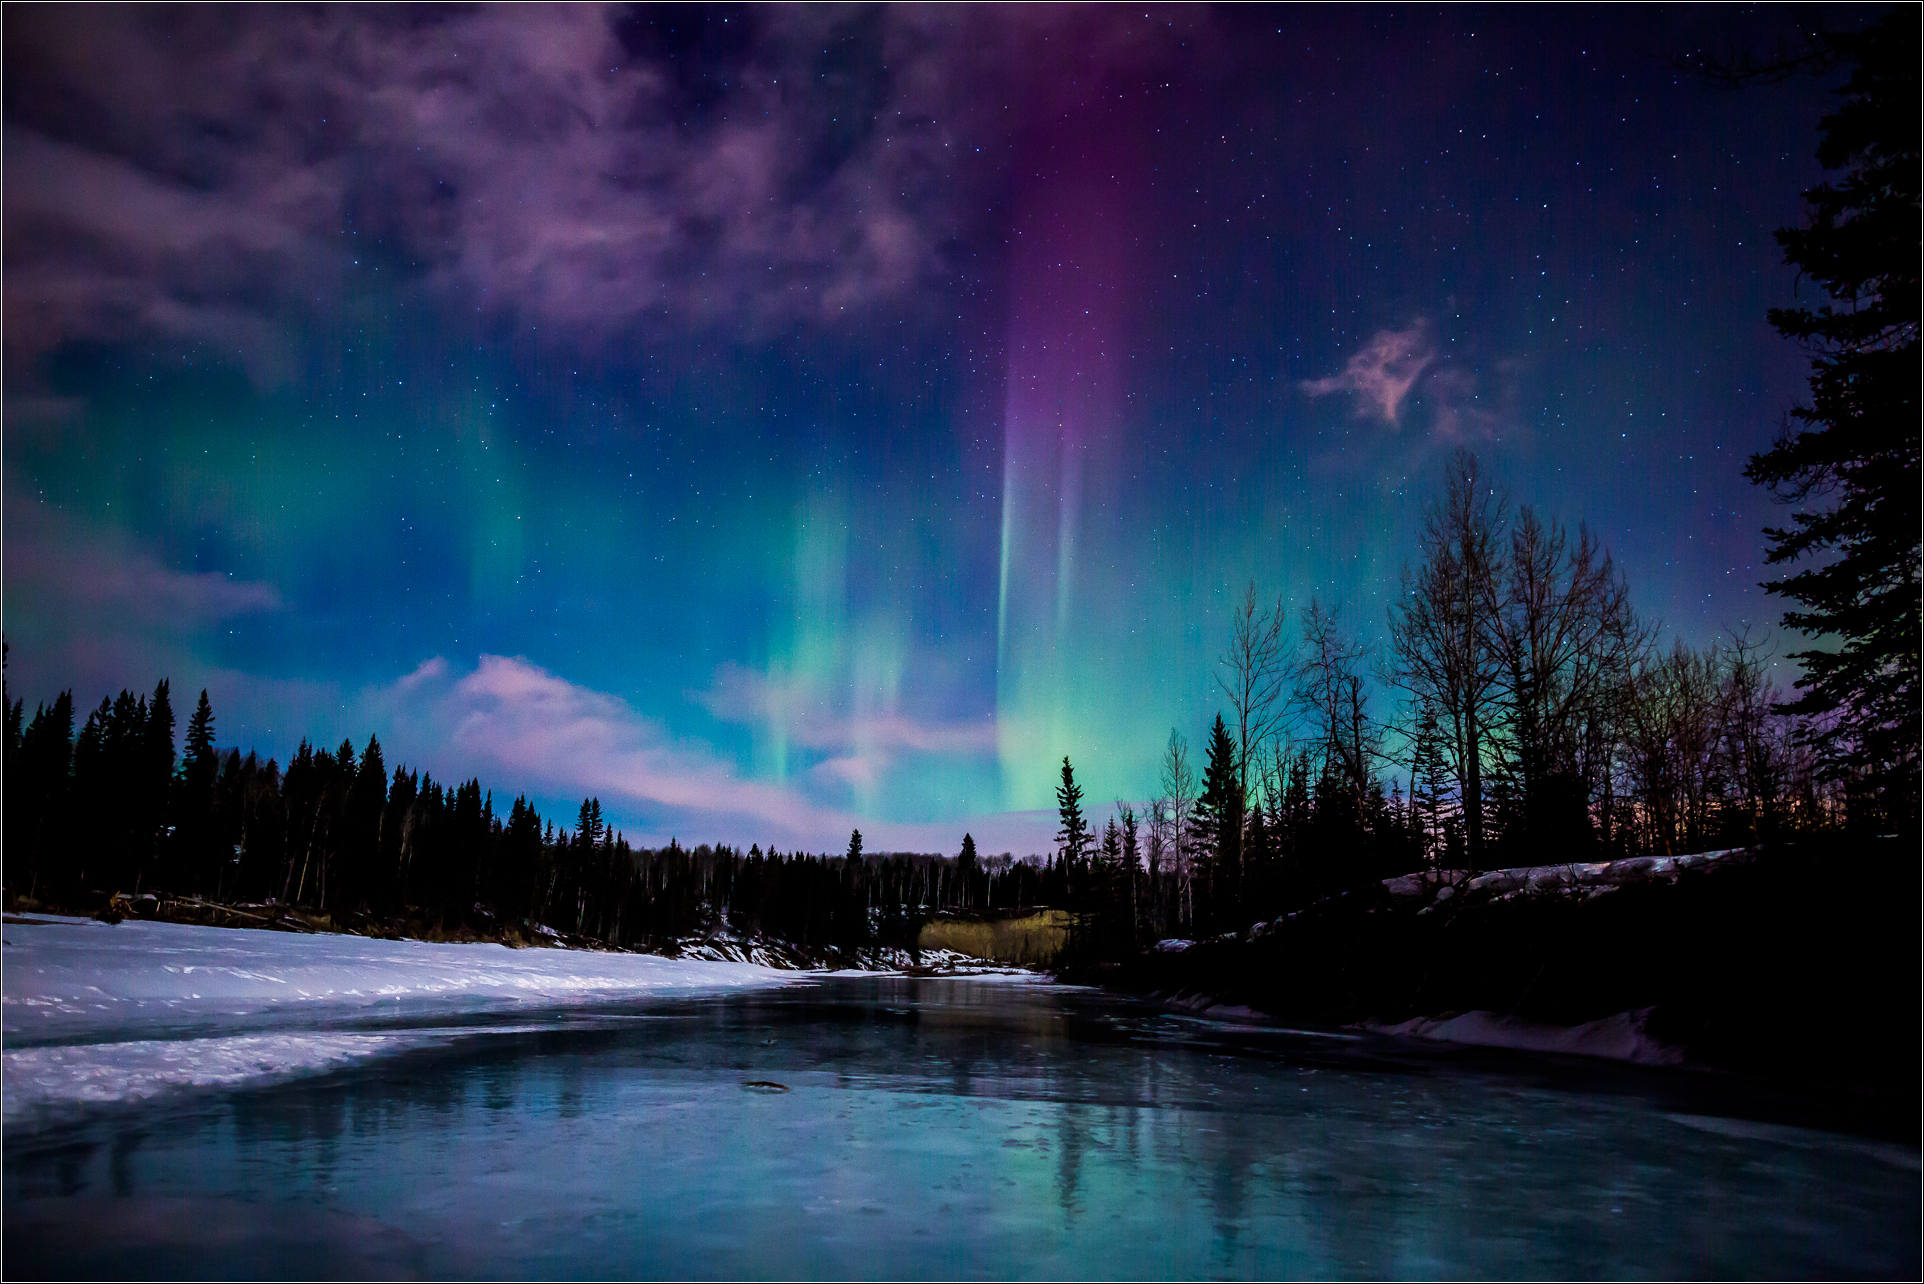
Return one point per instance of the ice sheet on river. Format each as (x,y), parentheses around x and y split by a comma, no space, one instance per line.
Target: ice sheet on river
(103,1013)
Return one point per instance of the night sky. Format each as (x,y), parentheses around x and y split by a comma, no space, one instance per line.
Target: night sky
(779,420)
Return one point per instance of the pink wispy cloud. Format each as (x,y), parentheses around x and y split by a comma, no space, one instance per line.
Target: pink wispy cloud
(1379,376)
(108,579)
(523,727)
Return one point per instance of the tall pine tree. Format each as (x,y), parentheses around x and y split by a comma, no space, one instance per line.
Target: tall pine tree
(1073,839)
(1852,467)
(1218,827)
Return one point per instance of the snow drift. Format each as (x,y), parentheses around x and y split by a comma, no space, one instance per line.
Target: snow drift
(97,1013)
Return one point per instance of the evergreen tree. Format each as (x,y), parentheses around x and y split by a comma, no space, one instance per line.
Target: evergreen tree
(36,802)
(361,828)
(1853,466)
(199,757)
(854,846)
(155,781)
(1072,837)
(15,709)
(966,866)
(1218,824)
(588,822)
(193,856)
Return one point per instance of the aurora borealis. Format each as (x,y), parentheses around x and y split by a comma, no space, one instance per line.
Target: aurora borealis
(776,420)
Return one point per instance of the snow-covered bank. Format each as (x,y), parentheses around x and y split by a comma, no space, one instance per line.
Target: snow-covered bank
(1620,1037)
(1581,878)
(98,1013)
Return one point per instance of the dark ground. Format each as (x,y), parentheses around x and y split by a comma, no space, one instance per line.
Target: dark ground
(1794,968)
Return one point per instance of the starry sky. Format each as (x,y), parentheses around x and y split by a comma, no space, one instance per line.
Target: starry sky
(777,420)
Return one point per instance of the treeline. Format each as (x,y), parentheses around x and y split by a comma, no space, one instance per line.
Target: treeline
(1518,713)
(113,809)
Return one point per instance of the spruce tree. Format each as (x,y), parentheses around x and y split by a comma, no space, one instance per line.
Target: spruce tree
(1072,837)
(1852,467)
(965,868)
(155,781)
(1218,825)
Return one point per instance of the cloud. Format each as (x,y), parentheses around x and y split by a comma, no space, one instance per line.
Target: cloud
(510,718)
(212,180)
(105,579)
(519,726)
(1379,376)
(1458,410)
(603,173)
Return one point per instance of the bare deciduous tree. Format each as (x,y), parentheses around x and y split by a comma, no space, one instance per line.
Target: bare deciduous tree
(1441,637)
(1254,676)
(1169,825)
(1332,697)
(1565,638)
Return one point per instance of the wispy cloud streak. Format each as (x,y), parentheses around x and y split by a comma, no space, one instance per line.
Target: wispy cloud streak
(1378,378)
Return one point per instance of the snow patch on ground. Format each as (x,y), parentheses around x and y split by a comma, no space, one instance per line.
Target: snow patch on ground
(96,1013)
(76,974)
(1621,1037)
(47,1082)
(1580,877)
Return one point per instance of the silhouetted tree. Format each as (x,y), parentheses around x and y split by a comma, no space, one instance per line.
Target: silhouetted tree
(1852,468)
(1072,834)
(1441,636)
(1217,827)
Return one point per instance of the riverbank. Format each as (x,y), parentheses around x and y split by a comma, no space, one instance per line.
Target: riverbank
(1796,966)
(99,1013)
(111,1013)
(724,945)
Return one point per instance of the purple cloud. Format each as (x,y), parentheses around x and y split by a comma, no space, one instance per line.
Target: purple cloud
(104,579)
(1379,376)
(214,176)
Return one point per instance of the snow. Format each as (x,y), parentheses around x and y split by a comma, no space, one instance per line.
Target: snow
(1578,876)
(96,1013)
(1620,1037)
(40,1081)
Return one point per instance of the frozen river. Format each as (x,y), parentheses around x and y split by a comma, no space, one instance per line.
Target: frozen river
(872,1126)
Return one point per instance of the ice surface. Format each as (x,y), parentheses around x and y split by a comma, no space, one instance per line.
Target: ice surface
(101,1013)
